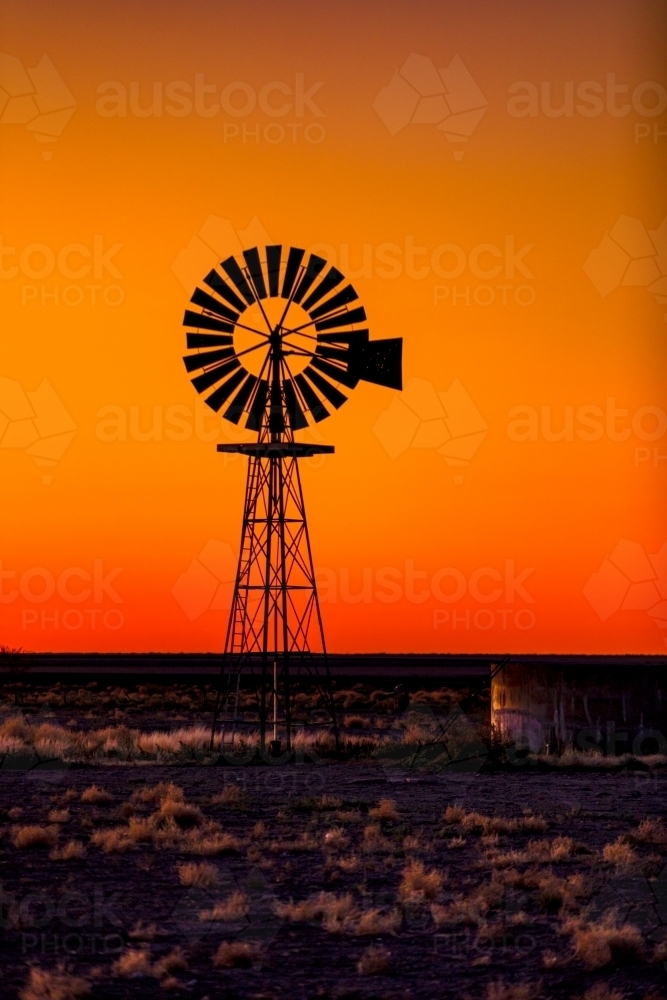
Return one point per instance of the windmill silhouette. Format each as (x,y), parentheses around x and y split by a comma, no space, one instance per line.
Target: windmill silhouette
(277,339)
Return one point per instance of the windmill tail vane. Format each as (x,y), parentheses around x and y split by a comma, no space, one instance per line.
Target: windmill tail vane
(277,339)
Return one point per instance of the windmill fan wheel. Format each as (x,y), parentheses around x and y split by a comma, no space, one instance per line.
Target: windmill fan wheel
(272,321)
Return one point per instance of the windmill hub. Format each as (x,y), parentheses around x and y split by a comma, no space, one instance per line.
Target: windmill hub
(279,341)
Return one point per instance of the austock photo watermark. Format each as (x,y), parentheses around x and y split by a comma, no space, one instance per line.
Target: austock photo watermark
(612,98)
(64,922)
(249,114)
(504,588)
(72,599)
(36,422)
(592,422)
(89,270)
(37,98)
(207,585)
(389,261)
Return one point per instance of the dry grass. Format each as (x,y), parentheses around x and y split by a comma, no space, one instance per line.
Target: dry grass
(385,809)
(35,837)
(375,961)
(602,991)
(202,874)
(619,853)
(54,985)
(374,921)
(133,962)
(475,822)
(335,839)
(175,961)
(540,851)
(375,840)
(113,841)
(340,915)
(356,721)
(470,910)
(59,816)
(136,962)
(351,864)
(231,795)
(419,886)
(96,796)
(155,794)
(601,943)
(455,842)
(305,842)
(347,816)
(234,955)
(174,824)
(232,909)
(500,990)
(72,850)
(212,844)
(649,831)
(143,932)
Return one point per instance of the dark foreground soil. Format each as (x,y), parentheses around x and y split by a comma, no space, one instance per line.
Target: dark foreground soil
(86,911)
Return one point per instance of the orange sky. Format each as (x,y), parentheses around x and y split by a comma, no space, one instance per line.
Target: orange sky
(534,195)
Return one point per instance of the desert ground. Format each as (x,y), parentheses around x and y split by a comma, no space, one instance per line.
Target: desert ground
(427,860)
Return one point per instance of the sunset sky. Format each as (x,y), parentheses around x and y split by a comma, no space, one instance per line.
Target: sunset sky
(524,265)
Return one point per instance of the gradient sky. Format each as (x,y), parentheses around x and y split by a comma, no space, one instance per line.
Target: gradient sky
(557,185)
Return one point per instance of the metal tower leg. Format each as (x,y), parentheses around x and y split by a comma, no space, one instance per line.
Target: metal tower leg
(275,616)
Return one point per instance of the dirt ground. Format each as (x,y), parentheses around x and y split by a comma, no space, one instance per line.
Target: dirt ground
(86,912)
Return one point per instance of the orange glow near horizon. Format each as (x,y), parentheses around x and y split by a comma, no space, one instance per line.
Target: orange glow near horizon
(511,498)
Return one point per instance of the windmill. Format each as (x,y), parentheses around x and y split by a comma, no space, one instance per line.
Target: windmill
(277,338)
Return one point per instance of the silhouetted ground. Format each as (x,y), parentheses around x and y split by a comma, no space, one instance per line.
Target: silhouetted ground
(497,907)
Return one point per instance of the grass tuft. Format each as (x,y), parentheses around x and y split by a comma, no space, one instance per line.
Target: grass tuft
(375,961)
(234,955)
(72,850)
(419,886)
(385,809)
(96,796)
(232,909)
(202,874)
(32,837)
(602,943)
(54,985)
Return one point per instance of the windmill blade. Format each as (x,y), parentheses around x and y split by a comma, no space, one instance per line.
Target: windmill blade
(214,375)
(201,322)
(329,391)
(311,399)
(255,268)
(341,354)
(294,259)
(342,375)
(344,337)
(348,294)
(238,404)
(258,406)
(345,319)
(273,254)
(332,278)
(206,301)
(219,285)
(296,415)
(380,362)
(315,265)
(195,361)
(222,394)
(236,274)
(207,340)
